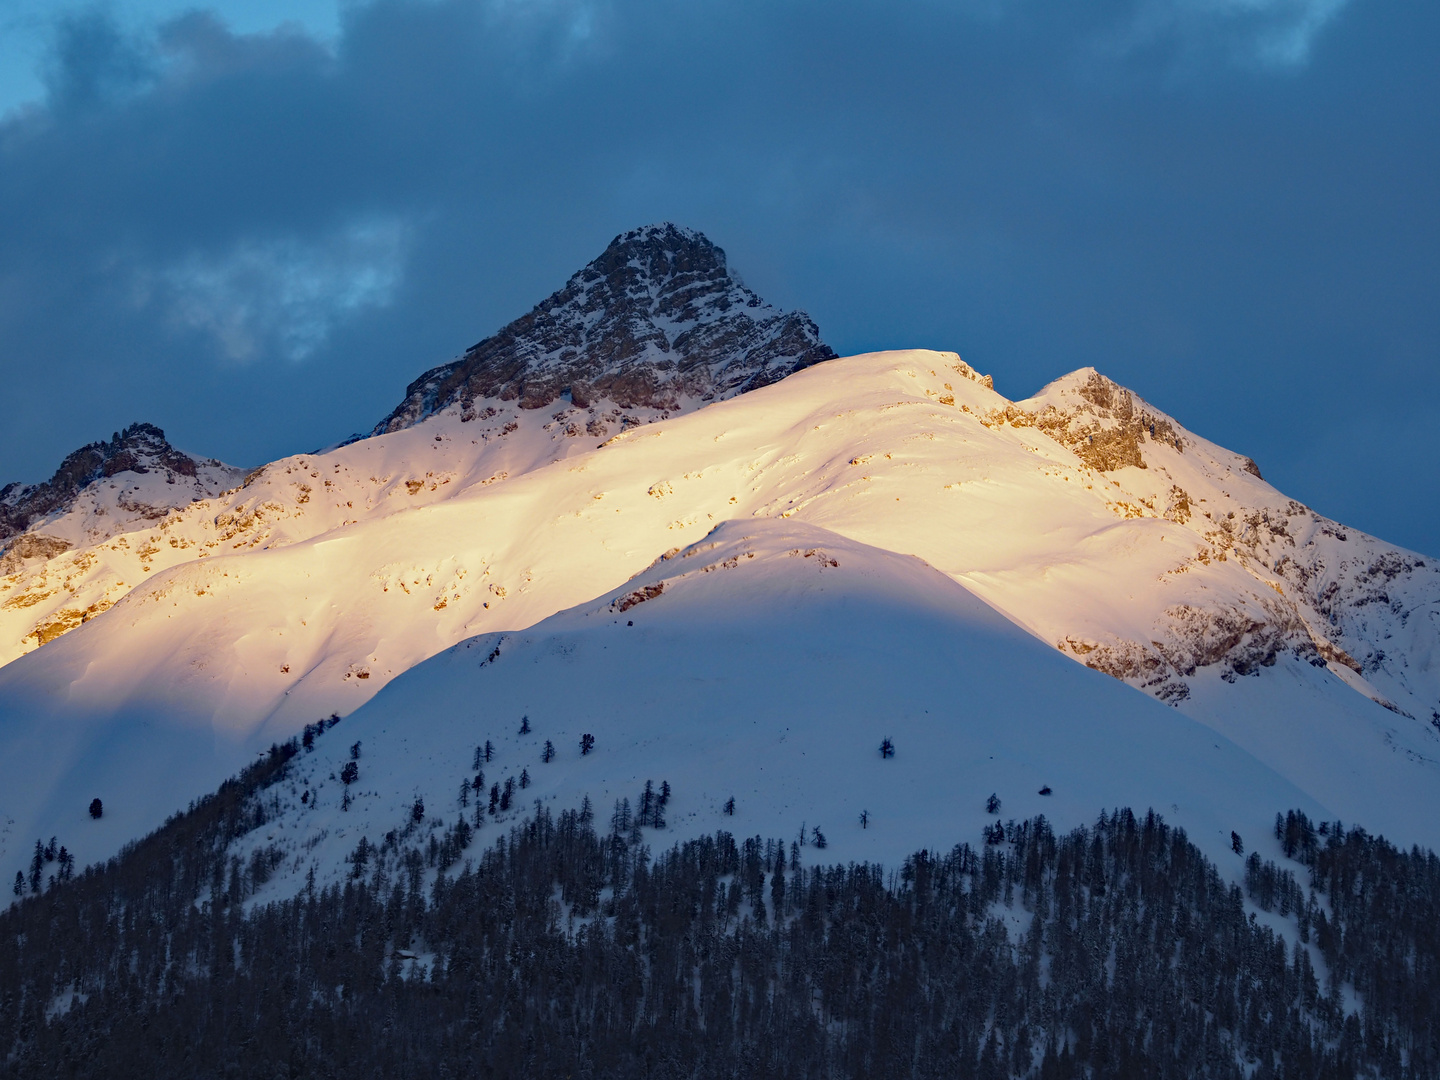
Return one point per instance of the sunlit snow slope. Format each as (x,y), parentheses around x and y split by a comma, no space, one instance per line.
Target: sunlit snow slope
(766,663)
(1149,554)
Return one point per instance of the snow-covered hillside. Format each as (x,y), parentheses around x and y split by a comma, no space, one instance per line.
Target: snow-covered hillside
(331,574)
(766,663)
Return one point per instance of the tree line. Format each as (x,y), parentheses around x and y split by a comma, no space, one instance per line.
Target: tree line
(569,948)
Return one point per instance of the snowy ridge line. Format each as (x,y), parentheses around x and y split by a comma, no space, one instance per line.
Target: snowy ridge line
(304,593)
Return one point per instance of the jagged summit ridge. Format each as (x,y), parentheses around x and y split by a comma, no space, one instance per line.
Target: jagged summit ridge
(656,318)
(140,448)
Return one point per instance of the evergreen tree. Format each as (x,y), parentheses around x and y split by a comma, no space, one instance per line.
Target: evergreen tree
(97,808)
(992,804)
(524,778)
(19,883)
(729,808)
(548,754)
(525,725)
(417,810)
(37,867)
(587,743)
(887,747)
(1236,844)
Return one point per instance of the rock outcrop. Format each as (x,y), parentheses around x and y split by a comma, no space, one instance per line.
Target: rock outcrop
(655,320)
(140,448)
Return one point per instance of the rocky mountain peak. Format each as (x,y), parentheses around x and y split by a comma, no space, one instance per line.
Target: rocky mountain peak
(655,319)
(140,448)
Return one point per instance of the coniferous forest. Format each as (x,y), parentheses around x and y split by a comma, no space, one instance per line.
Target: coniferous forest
(568,948)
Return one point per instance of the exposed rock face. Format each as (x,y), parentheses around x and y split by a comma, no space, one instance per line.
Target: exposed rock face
(1105,428)
(656,318)
(140,448)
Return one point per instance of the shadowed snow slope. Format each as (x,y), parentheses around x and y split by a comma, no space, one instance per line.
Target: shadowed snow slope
(766,663)
(1091,519)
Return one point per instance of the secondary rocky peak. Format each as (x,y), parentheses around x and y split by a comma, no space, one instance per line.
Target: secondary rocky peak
(655,319)
(140,448)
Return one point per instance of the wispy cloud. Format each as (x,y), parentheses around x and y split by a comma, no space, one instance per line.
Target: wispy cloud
(1276,34)
(283,296)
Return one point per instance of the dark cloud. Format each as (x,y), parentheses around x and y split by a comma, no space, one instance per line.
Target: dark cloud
(256,241)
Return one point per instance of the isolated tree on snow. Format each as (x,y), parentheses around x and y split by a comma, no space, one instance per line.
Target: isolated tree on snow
(417,810)
(1236,844)
(464,796)
(864,819)
(355,750)
(479,759)
(887,747)
(524,778)
(818,838)
(349,773)
(489,751)
(992,804)
(494,797)
(97,808)
(729,808)
(548,754)
(524,725)
(587,743)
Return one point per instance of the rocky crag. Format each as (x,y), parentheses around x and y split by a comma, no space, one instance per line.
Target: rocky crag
(657,319)
(1307,585)
(141,450)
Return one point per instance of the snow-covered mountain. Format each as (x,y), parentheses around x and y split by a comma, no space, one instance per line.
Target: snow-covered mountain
(1301,649)
(765,663)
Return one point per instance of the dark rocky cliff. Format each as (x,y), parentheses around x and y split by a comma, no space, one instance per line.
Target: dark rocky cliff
(656,318)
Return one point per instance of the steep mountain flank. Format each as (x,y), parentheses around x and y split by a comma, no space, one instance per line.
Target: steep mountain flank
(656,319)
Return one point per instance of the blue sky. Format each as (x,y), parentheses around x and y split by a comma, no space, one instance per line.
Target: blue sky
(254,224)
